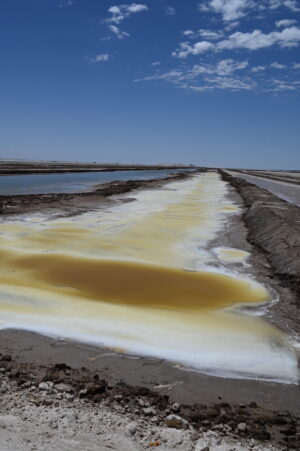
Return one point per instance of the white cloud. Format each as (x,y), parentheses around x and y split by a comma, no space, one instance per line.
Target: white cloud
(65,3)
(232,83)
(229,9)
(203,33)
(222,67)
(233,10)
(209,34)
(117,32)
(100,57)
(288,37)
(188,33)
(203,77)
(155,63)
(292,5)
(283,85)
(121,12)
(285,23)
(276,65)
(185,49)
(226,74)
(170,10)
(256,69)
(230,25)
(228,66)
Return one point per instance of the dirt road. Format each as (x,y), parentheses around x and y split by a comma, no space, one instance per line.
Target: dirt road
(284,190)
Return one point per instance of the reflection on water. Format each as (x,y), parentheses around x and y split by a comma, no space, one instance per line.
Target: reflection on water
(141,277)
(70,182)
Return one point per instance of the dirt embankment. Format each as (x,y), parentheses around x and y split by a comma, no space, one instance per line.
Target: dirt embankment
(51,387)
(72,203)
(274,228)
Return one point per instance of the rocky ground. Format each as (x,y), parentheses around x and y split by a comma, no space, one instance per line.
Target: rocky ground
(58,408)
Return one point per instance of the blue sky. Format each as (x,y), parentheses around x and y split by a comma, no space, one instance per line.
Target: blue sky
(212,82)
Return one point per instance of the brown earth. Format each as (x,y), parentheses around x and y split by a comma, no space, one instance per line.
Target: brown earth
(40,384)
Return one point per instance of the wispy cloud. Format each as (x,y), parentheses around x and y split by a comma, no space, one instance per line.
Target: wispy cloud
(256,69)
(203,33)
(228,74)
(290,4)
(121,12)
(234,10)
(170,10)
(118,13)
(288,37)
(276,65)
(229,9)
(285,23)
(204,77)
(185,49)
(216,72)
(283,85)
(101,57)
(117,32)
(65,3)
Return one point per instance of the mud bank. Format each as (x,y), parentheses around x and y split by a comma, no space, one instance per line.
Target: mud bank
(76,203)
(56,386)
(274,229)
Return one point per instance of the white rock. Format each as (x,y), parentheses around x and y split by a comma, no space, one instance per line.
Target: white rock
(131,429)
(175,421)
(242,427)
(63,387)
(45,385)
(149,411)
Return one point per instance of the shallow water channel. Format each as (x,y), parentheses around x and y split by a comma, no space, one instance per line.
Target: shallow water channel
(71,182)
(141,277)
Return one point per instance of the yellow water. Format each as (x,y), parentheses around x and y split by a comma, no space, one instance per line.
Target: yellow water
(140,276)
(129,283)
(232,255)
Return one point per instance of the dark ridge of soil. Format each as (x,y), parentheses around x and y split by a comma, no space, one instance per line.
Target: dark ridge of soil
(13,204)
(273,228)
(243,421)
